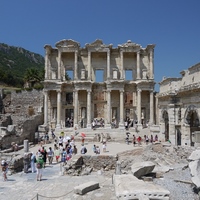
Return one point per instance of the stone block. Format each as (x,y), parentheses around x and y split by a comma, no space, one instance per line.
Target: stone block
(142,168)
(130,187)
(86,187)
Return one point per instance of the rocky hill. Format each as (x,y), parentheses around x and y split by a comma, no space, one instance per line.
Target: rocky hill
(14,61)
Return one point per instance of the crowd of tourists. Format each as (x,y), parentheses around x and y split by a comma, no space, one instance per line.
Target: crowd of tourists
(138,140)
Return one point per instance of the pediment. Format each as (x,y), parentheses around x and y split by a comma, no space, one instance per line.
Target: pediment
(68,43)
(129,44)
(98,44)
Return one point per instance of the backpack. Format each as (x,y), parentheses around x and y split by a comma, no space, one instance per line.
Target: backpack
(39,165)
(3,168)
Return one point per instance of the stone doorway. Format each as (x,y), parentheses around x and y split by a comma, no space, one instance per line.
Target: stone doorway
(178,136)
(193,120)
(69,116)
(166,121)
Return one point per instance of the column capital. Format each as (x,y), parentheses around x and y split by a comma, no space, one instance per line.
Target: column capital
(138,52)
(58,91)
(121,91)
(89,90)
(139,90)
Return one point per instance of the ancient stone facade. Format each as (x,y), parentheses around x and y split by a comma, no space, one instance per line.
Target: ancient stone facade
(113,99)
(179,106)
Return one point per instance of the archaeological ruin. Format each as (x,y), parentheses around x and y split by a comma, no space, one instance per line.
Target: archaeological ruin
(178,107)
(111,85)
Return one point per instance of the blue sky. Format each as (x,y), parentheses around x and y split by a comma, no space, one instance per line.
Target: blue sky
(173,25)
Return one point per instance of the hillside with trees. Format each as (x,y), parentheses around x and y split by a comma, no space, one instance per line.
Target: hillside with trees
(19,66)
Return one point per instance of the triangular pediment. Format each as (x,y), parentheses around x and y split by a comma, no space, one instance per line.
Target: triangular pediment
(68,43)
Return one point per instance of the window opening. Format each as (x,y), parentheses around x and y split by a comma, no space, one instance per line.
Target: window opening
(99,75)
(128,75)
(69,75)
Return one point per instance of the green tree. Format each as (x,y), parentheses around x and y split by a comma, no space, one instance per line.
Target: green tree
(32,76)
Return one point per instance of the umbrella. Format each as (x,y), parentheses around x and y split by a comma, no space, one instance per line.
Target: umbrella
(83,135)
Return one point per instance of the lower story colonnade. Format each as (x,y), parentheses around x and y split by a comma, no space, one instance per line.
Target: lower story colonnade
(99,106)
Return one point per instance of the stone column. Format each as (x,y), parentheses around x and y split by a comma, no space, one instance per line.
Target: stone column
(122,65)
(172,123)
(76,108)
(75,65)
(59,65)
(58,125)
(121,123)
(151,108)
(45,107)
(89,65)
(108,64)
(138,65)
(139,106)
(108,125)
(26,146)
(151,67)
(47,65)
(88,109)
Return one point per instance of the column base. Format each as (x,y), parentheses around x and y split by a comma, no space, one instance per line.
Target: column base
(75,126)
(121,126)
(89,126)
(58,126)
(139,126)
(107,126)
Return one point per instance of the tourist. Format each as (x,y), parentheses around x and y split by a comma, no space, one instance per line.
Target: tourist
(53,134)
(16,147)
(44,155)
(4,168)
(127,138)
(151,139)
(139,139)
(33,161)
(94,149)
(104,146)
(156,138)
(83,149)
(75,150)
(83,139)
(50,155)
(98,150)
(93,125)
(46,138)
(134,140)
(64,155)
(60,141)
(39,166)
(147,139)
(57,154)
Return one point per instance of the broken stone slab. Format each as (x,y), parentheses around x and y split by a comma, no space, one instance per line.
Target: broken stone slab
(130,187)
(195,172)
(140,169)
(86,187)
(195,155)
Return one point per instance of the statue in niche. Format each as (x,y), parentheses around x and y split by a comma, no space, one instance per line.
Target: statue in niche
(144,74)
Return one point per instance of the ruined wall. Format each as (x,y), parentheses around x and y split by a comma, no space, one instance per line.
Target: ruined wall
(23,114)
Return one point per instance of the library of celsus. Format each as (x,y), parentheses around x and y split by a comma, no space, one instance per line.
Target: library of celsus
(98,82)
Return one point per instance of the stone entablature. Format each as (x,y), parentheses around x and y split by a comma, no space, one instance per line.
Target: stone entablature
(122,97)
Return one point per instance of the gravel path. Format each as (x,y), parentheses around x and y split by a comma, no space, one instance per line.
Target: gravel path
(178,190)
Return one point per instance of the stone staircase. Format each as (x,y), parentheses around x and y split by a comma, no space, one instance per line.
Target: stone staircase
(115,135)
